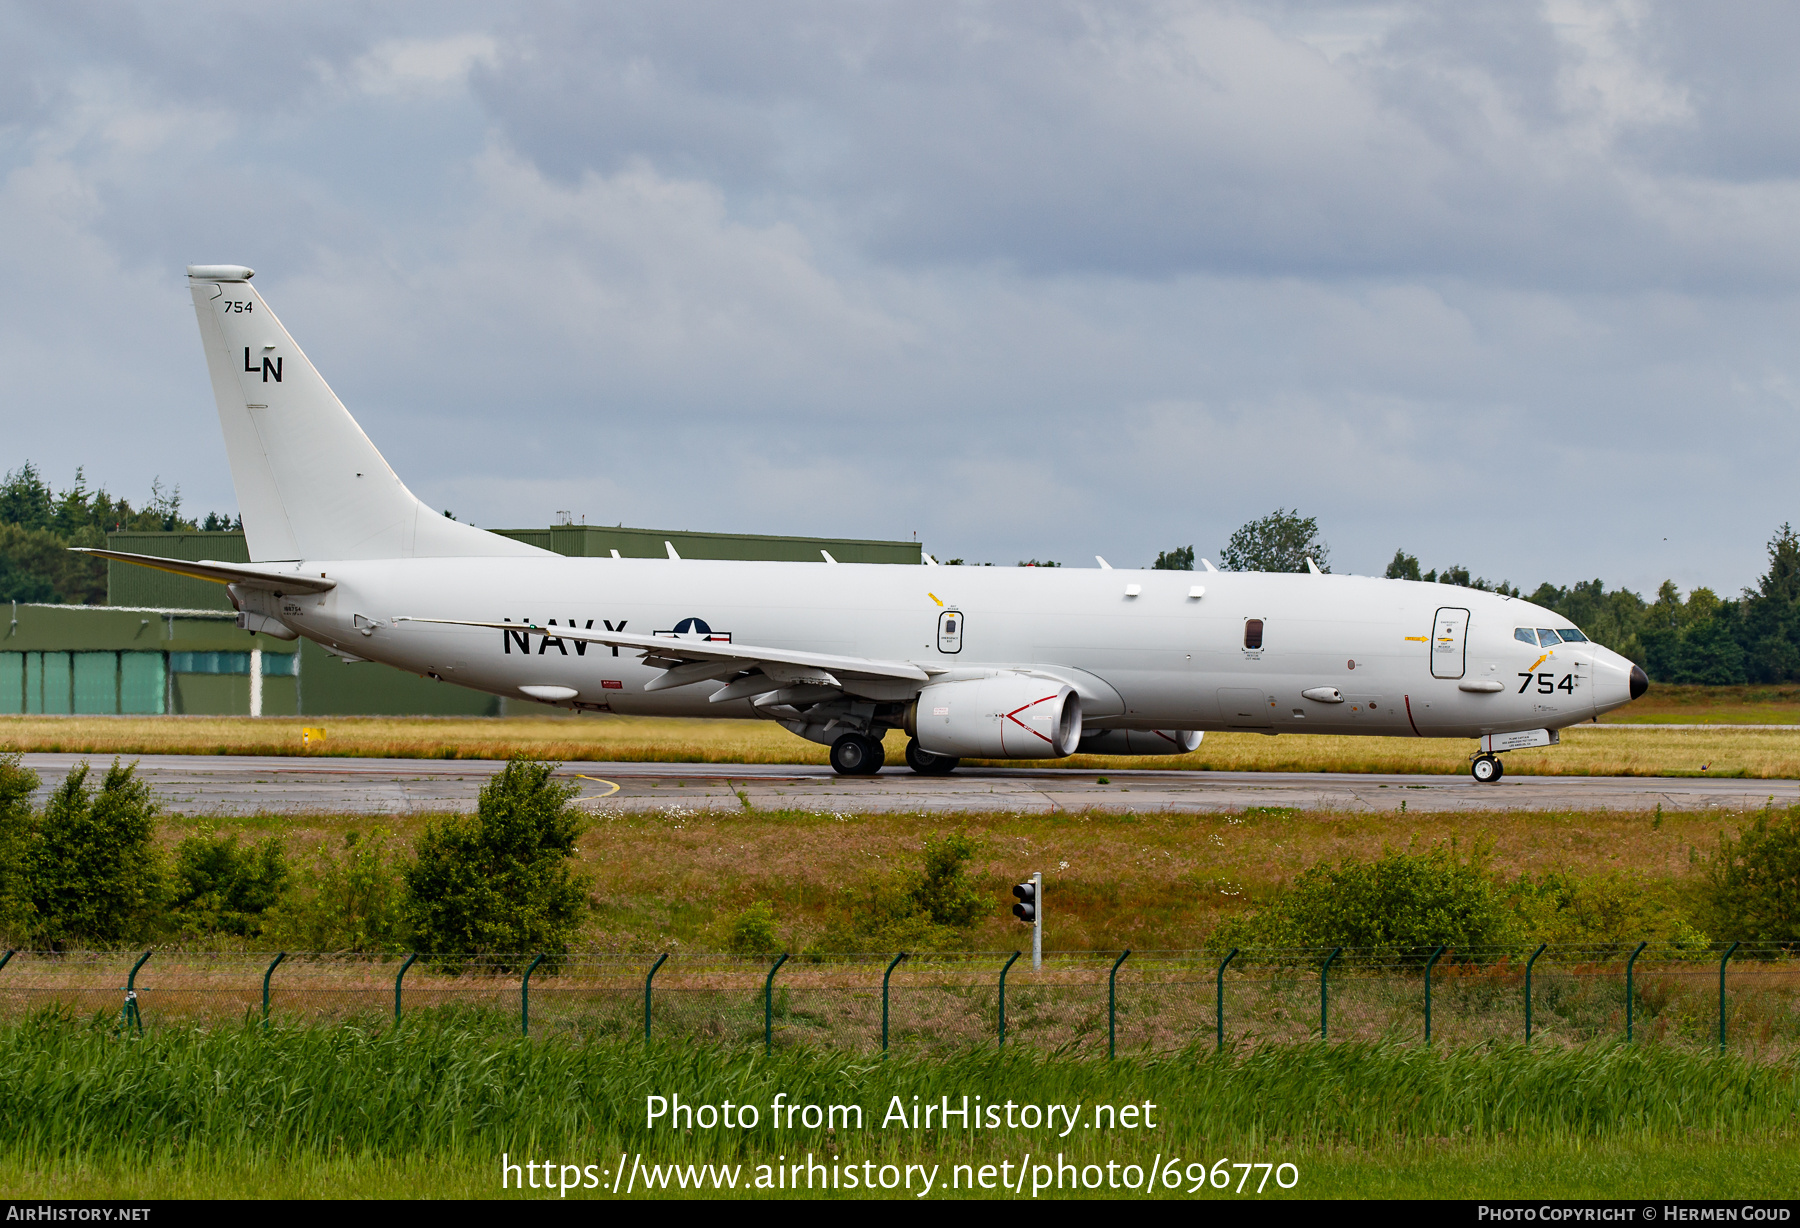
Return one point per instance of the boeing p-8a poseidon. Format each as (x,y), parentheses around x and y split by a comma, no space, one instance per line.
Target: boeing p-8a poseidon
(971,662)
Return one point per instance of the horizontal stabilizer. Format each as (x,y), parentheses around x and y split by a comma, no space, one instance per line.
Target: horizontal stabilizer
(677,651)
(221,573)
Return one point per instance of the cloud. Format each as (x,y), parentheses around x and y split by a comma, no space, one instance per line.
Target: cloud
(1508,286)
(406,66)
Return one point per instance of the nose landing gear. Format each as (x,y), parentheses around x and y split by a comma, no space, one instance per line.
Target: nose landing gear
(1486,769)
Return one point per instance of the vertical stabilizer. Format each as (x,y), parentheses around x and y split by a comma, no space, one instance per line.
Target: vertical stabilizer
(309,483)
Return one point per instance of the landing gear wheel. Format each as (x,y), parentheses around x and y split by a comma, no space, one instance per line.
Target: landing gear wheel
(1486,769)
(925,763)
(854,754)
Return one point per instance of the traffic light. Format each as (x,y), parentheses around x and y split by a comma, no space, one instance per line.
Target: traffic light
(1026,909)
(1030,910)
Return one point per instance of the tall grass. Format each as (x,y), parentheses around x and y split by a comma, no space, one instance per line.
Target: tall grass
(1587,750)
(456,1088)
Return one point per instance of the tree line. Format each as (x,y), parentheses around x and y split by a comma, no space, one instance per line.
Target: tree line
(1701,638)
(39,524)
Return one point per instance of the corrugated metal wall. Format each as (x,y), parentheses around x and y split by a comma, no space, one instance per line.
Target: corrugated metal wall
(98,660)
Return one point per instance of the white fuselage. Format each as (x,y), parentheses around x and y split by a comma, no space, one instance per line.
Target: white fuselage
(1159,659)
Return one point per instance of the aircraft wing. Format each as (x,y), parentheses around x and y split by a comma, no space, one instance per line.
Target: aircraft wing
(248,575)
(696,660)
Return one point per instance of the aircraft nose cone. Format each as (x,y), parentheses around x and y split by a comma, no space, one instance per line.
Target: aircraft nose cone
(1640,681)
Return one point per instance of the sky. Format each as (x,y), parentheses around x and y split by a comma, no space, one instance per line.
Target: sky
(1508,286)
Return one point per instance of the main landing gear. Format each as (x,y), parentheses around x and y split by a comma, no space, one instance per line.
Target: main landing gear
(1486,769)
(925,763)
(857,754)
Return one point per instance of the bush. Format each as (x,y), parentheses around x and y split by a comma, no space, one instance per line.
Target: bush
(94,876)
(932,907)
(347,903)
(1752,891)
(501,882)
(941,889)
(223,887)
(1609,909)
(18,829)
(752,932)
(1401,905)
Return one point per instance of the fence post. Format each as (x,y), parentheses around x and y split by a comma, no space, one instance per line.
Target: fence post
(1628,994)
(1324,992)
(129,1015)
(525,996)
(660,961)
(1112,981)
(1219,1009)
(1003,972)
(884,1000)
(1528,964)
(1429,965)
(266,975)
(1729,951)
(397,979)
(769,1005)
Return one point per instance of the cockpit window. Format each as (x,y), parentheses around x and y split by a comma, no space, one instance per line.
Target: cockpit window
(1572,636)
(1548,638)
(1526,634)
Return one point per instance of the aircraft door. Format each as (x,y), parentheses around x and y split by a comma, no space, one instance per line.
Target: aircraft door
(1449,643)
(950,631)
(1245,708)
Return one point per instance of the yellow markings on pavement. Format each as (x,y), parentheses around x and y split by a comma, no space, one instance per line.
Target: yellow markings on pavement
(597,796)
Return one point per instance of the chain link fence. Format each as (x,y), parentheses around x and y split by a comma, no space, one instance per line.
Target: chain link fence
(1741,997)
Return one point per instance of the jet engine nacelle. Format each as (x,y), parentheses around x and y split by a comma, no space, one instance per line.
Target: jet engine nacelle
(1008,716)
(1139,741)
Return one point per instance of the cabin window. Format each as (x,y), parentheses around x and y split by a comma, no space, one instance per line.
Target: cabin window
(1253,628)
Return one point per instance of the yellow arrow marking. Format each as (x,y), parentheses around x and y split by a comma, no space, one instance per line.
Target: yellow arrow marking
(934,597)
(1538,662)
(1417,639)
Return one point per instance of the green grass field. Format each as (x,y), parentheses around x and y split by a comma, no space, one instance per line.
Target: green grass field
(202,1106)
(1735,748)
(427,1110)
(1150,881)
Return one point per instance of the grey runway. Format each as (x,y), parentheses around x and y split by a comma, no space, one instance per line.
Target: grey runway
(231,785)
